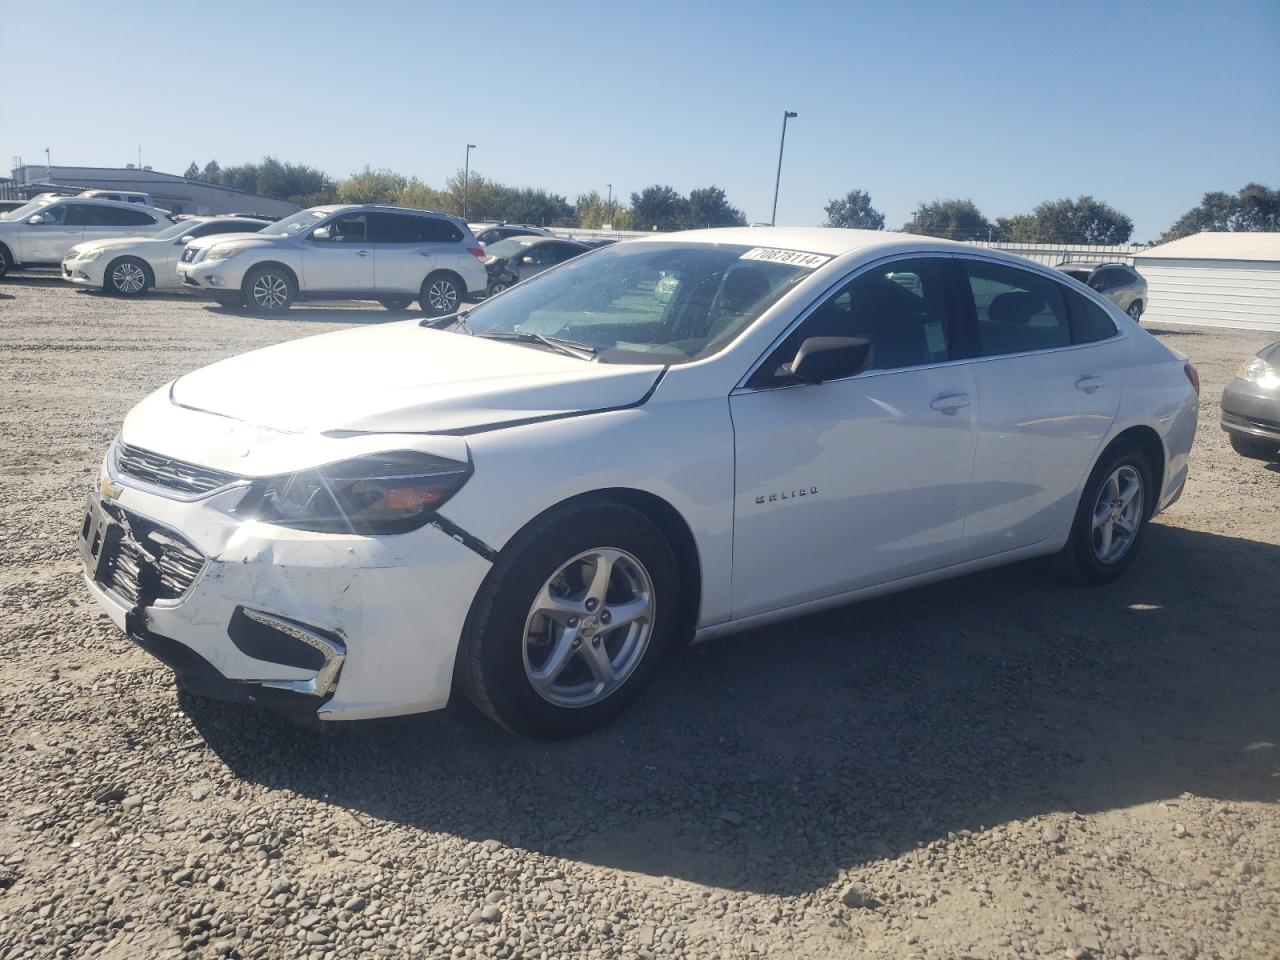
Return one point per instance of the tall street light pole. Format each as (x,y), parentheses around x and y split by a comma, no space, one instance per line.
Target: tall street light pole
(609,204)
(786,115)
(466,178)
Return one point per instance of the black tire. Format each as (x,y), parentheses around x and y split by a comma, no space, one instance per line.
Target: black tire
(6,261)
(397,304)
(1079,560)
(268,289)
(1255,448)
(496,288)
(491,658)
(1135,311)
(442,294)
(127,277)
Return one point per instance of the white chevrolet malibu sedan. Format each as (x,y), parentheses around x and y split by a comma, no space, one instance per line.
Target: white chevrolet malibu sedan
(676,437)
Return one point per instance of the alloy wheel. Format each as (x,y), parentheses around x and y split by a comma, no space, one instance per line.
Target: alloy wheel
(589,627)
(442,295)
(1117,514)
(270,291)
(128,278)
(1135,311)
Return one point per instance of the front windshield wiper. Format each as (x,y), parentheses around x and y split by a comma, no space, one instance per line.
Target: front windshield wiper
(570,348)
(442,323)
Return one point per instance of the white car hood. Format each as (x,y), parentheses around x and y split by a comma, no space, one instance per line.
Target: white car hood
(402,378)
(119,243)
(201,242)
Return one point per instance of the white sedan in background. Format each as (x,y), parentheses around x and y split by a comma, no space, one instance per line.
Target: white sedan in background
(675,437)
(40,232)
(130,266)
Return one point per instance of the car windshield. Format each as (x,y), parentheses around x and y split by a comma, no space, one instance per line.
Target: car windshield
(510,247)
(642,302)
(27,209)
(179,229)
(292,226)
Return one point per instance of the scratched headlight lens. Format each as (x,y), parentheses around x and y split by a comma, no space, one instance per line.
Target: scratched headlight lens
(379,494)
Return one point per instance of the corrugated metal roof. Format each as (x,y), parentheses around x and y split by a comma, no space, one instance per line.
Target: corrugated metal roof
(1217,246)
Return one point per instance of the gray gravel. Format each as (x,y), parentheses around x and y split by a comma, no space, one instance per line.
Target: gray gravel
(1000,766)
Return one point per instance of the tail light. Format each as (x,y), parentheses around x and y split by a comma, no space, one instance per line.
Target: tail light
(476,252)
(1193,375)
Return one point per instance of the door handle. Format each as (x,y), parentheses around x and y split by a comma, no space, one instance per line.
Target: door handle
(362,253)
(1090,384)
(951,402)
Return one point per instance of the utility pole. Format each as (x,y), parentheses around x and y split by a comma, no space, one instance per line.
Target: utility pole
(466,178)
(786,115)
(48,164)
(139,156)
(609,204)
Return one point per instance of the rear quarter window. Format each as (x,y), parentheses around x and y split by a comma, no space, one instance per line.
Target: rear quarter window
(1089,322)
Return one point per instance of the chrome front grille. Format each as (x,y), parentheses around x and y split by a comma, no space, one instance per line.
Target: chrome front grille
(149,562)
(169,473)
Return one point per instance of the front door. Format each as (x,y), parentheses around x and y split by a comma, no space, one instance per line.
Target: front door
(59,229)
(855,482)
(343,261)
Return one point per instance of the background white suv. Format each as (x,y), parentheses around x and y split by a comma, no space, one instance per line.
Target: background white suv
(390,254)
(41,233)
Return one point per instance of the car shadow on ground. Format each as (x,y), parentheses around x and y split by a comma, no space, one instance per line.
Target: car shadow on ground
(773,760)
(353,312)
(1175,332)
(34,279)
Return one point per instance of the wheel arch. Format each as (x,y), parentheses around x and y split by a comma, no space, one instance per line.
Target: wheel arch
(293,274)
(1149,442)
(151,274)
(451,274)
(673,526)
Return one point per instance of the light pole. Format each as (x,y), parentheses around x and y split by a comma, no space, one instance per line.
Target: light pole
(786,115)
(608,207)
(466,177)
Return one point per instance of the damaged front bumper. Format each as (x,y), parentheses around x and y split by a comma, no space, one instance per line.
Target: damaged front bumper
(326,626)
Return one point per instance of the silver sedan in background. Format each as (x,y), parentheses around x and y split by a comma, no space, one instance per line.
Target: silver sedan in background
(1251,405)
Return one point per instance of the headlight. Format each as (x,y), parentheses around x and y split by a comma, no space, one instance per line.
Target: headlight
(1260,372)
(84,256)
(377,494)
(224,251)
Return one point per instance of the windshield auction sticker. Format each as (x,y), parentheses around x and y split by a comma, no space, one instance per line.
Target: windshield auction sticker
(795,258)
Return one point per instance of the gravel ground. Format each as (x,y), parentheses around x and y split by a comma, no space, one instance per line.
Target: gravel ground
(1000,766)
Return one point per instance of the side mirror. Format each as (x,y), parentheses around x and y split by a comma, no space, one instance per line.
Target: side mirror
(828,358)
(35,221)
(183,241)
(526,260)
(320,233)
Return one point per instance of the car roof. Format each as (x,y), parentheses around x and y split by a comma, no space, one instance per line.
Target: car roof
(833,241)
(103,202)
(382,208)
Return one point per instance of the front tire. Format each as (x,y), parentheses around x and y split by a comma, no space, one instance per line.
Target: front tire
(1253,447)
(268,289)
(127,277)
(1111,517)
(397,304)
(6,261)
(572,621)
(442,294)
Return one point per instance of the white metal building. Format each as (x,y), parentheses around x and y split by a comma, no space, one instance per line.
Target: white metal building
(1214,279)
(171,192)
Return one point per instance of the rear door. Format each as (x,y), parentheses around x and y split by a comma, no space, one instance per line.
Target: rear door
(342,262)
(408,247)
(60,228)
(1048,386)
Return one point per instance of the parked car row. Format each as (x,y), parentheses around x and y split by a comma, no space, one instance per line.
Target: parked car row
(41,231)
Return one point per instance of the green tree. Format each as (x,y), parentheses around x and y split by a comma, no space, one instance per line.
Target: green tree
(709,207)
(854,209)
(1083,220)
(659,208)
(954,219)
(1253,208)
(211,172)
(193,172)
(373,186)
(593,211)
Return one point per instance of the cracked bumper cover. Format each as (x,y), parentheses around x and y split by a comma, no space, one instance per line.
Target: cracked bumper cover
(384,614)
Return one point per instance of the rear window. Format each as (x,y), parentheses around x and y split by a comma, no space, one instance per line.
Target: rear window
(1018,311)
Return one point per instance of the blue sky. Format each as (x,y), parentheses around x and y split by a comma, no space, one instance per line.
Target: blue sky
(1144,105)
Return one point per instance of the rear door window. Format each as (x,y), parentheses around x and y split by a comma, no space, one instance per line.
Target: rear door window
(406,228)
(1017,311)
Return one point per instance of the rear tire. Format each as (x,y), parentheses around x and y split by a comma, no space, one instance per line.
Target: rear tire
(1111,517)
(127,277)
(1135,311)
(507,643)
(268,289)
(442,294)
(1254,448)
(6,261)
